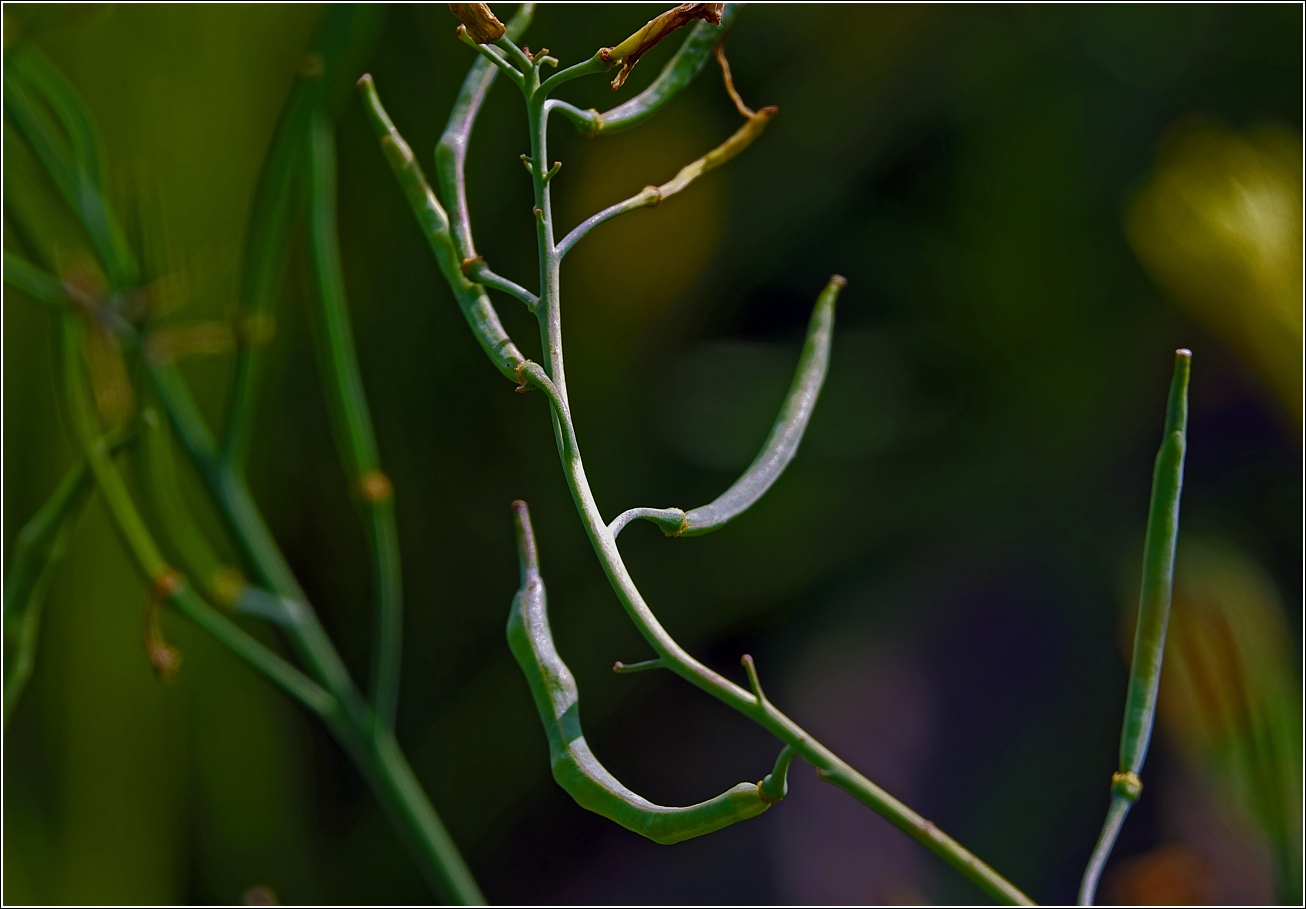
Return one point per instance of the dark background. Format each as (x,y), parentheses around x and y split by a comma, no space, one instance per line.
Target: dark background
(1034,206)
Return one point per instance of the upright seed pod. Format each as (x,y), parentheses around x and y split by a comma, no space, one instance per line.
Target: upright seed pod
(1153,617)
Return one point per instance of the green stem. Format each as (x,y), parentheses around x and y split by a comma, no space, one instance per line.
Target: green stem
(352,423)
(1153,619)
(435,225)
(333,696)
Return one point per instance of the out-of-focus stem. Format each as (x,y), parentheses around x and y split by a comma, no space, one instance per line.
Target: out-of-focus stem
(37,553)
(351,421)
(345,30)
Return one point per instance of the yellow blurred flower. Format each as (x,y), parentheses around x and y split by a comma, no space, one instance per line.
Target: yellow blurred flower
(1219,226)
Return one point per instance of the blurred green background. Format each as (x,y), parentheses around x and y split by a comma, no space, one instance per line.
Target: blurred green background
(1034,206)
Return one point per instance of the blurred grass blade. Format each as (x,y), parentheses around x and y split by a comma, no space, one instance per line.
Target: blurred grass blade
(73,159)
(36,557)
(34,282)
(181,536)
(87,148)
(782,444)
(1153,617)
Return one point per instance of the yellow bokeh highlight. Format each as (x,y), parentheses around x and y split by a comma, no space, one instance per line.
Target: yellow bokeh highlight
(1219,226)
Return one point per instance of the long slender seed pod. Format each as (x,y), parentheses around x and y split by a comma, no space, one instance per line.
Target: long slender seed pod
(575,767)
(1153,618)
(790,425)
(780,447)
(434,223)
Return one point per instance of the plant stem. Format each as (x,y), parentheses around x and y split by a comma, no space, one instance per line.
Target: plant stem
(333,696)
(552,380)
(673,655)
(354,724)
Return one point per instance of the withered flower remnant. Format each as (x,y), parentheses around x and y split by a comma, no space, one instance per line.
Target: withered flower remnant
(627,53)
(481,23)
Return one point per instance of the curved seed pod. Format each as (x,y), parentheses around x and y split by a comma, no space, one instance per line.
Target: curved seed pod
(575,767)
(782,444)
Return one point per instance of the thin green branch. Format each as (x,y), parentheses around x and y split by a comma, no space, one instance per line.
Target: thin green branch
(351,421)
(492,56)
(671,520)
(515,54)
(157,472)
(1153,619)
(370,743)
(592,66)
(654,195)
(480,272)
(645,198)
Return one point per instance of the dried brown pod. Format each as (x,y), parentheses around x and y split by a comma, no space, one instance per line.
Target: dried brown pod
(481,23)
(627,53)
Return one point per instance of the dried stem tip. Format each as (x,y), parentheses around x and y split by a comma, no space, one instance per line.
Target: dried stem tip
(481,23)
(627,53)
